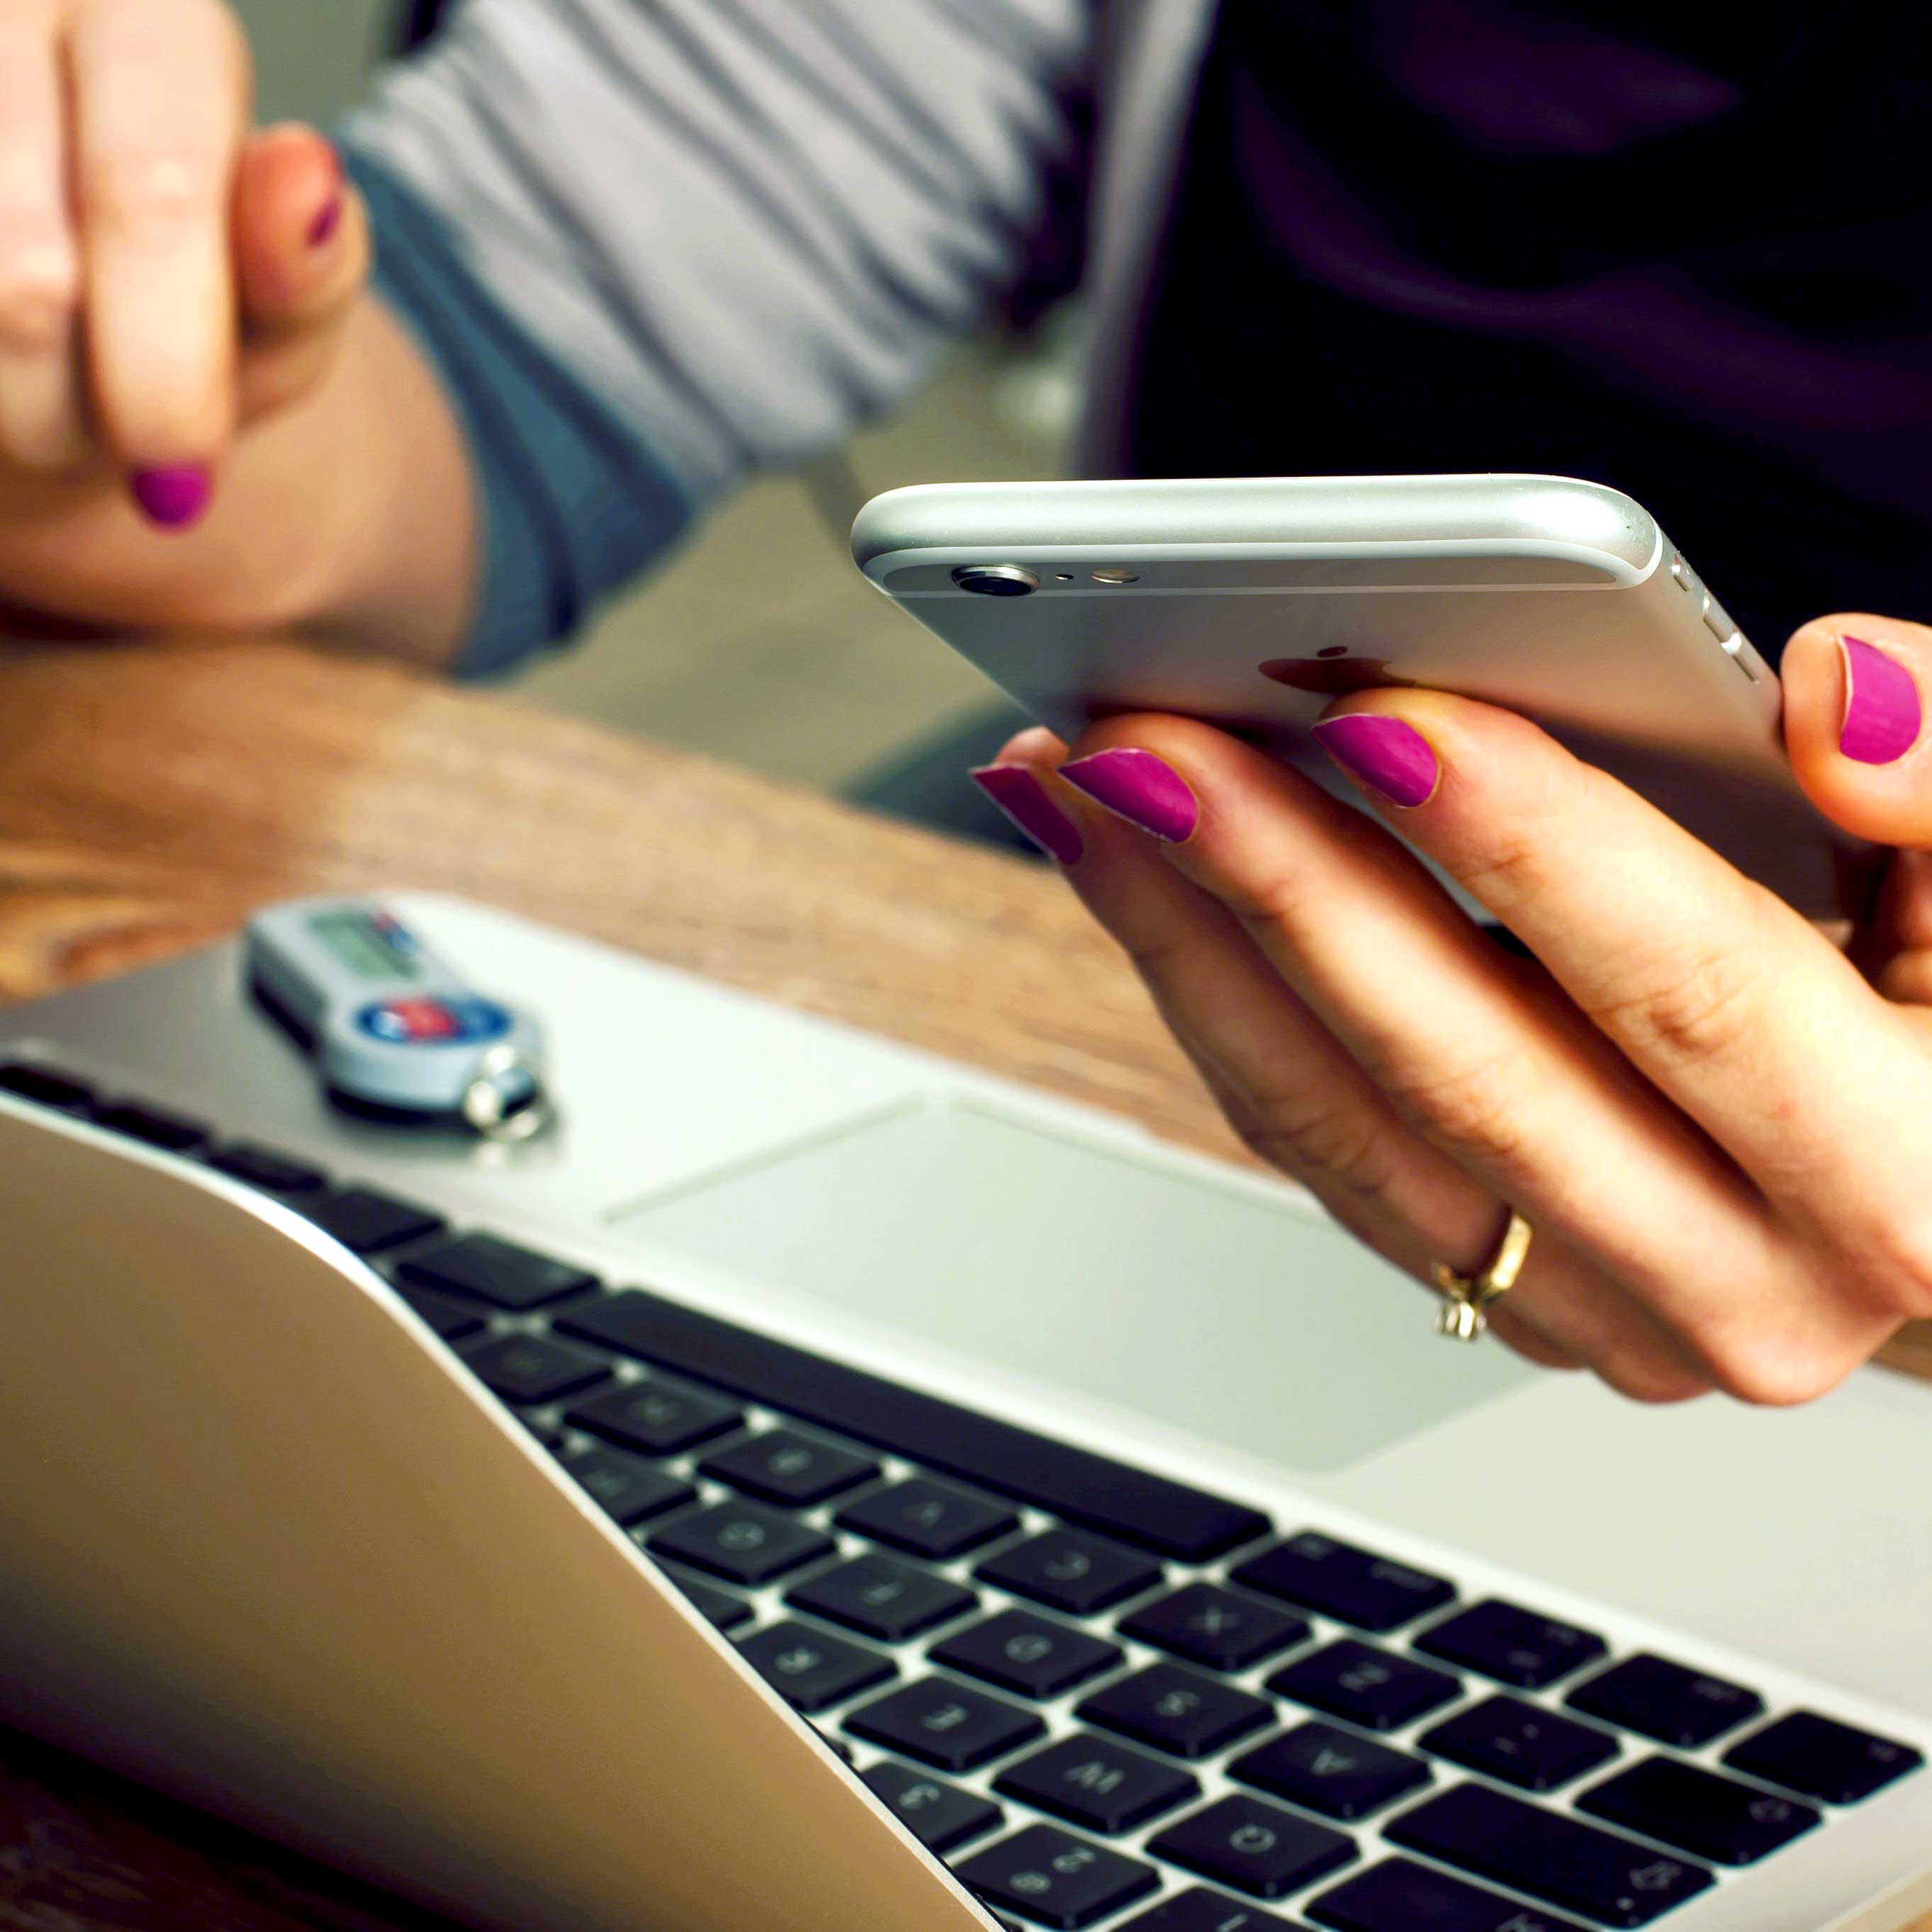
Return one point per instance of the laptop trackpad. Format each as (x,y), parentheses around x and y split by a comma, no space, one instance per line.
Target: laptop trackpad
(1161,1289)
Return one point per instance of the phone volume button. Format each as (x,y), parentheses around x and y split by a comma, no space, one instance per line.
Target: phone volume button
(1717,620)
(1738,648)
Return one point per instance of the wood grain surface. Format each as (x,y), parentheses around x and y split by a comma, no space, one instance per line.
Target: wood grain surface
(150,796)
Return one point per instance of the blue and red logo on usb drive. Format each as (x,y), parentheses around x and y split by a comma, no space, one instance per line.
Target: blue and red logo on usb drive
(422,1020)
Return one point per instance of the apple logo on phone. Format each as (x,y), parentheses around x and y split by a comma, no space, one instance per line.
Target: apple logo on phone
(1333,673)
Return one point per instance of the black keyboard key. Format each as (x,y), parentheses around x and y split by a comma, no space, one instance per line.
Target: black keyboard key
(1520,1743)
(939,1815)
(46,1087)
(1070,1570)
(1151,1512)
(1254,1847)
(1548,1855)
(267,1169)
(628,1488)
(1398,1896)
(881,1596)
(929,1519)
(1665,1701)
(1337,1773)
(451,1319)
(1822,1758)
(1354,1586)
(1226,1630)
(1176,1710)
(946,1724)
(172,1133)
(532,1368)
(367,1223)
(495,1271)
(1374,1688)
(784,1467)
(1032,1655)
(810,1669)
(1198,1909)
(656,1418)
(1698,1811)
(742,1542)
(1052,1878)
(724,1609)
(1096,1783)
(1513,1645)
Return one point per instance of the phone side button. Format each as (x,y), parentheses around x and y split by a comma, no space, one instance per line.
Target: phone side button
(1738,648)
(1717,621)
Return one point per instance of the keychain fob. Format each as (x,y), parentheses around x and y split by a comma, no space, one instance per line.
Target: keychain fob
(392,1028)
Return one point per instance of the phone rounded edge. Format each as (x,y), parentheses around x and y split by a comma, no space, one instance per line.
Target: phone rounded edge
(916,517)
(1588,520)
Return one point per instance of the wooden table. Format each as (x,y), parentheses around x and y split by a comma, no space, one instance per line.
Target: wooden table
(150,796)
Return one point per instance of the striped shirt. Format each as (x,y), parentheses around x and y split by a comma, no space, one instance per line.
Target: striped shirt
(653,245)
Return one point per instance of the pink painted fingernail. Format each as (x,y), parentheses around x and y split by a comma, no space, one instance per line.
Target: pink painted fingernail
(1882,710)
(1023,799)
(1135,785)
(1393,758)
(174,496)
(328,221)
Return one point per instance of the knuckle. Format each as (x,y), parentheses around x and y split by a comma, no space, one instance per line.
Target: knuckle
(1516,1332)
(199,30)
(1895,1259)
(1313,1138)
(40,296)
(1159,956)
(1697,1008)
(1774,1364)
(1473,1110)
(1642,1378)
(1511,868)
(231,38)
(1268,906)
(52,444)
(1768,1374)
(153,193)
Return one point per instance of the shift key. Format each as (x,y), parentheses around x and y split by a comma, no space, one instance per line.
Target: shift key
(1574,1865)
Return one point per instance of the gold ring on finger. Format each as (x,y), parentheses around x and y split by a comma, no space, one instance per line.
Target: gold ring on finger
(1466,1297)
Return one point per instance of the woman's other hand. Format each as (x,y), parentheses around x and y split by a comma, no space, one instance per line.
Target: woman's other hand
(205,419)
(1719,1124)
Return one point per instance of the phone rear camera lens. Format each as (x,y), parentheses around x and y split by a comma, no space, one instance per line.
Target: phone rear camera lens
(996,580)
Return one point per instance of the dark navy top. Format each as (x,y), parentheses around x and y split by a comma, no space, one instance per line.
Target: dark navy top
(1684,250)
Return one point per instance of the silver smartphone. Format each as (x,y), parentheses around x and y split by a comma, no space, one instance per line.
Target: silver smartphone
(1256,602)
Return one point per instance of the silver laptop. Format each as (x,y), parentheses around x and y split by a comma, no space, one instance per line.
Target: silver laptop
(820,1487)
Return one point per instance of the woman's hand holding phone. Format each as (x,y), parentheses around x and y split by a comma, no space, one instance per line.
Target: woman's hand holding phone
(1719,1124)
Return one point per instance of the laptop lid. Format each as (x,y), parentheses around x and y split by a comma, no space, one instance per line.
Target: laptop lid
(219,1430)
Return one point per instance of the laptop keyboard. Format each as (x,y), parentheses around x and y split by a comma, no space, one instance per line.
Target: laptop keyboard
(1107,1699)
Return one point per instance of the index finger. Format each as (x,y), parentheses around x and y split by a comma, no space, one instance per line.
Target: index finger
(159,89)
(1726,999)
